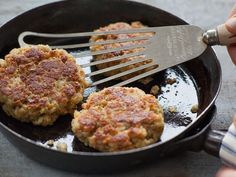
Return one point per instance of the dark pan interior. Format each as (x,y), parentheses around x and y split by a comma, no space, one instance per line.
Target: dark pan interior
(198,80)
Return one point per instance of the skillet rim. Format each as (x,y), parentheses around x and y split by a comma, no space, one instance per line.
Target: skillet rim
(131,151)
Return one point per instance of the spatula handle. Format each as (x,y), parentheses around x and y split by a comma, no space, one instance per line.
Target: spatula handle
(225,36)
(219,36)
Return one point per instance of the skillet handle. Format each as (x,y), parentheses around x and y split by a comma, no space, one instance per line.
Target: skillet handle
(222,143)
(213,141)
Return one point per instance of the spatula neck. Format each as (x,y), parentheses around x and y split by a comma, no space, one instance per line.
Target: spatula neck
(210,37)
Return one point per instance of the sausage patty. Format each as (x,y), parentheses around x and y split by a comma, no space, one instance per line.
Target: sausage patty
(120,26)
(119,118)
(38,84)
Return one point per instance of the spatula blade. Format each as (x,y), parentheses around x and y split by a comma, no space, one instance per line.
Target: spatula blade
(173,45)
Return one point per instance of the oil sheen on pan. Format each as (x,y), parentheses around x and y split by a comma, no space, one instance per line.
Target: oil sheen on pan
(179,95)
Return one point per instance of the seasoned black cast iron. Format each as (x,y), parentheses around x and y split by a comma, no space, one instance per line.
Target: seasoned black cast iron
(198,82)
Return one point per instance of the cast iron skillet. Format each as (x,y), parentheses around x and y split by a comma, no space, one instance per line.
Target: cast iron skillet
(198,82)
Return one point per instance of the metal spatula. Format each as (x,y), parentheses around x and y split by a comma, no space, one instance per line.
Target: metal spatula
(169,46)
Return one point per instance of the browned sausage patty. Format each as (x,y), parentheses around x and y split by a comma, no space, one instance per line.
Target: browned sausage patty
(38,84)
(119,118)
(120,26)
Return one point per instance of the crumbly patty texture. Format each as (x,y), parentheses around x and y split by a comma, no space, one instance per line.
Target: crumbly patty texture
(38,84)
(119,118)
(120,26)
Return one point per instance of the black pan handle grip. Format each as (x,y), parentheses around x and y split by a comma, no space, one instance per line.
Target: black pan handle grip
(213,141)
(222,143)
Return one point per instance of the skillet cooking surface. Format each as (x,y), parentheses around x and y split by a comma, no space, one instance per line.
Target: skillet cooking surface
(182,94)
(197,80)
